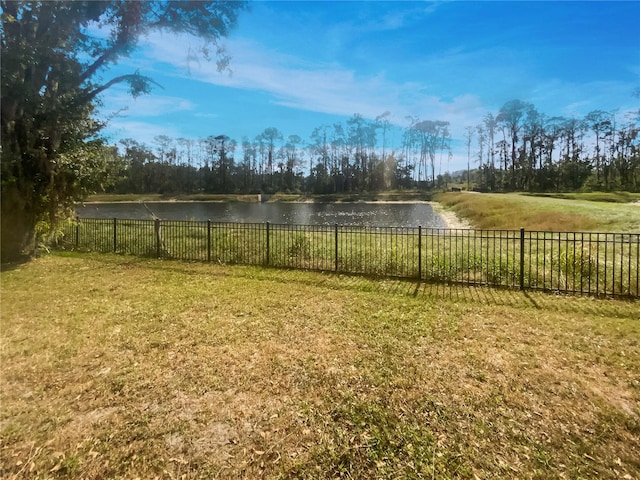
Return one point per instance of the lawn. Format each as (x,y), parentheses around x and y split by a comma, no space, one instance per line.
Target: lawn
(578,212)
(122,367)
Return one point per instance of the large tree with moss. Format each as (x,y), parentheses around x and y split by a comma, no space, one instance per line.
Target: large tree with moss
(53,72)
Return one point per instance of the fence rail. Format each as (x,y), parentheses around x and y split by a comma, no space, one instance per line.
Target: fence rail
(572,262)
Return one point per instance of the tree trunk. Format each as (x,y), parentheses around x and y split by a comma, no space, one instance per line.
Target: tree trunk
(18,234)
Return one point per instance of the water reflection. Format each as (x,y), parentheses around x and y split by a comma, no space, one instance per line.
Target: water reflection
(372,214)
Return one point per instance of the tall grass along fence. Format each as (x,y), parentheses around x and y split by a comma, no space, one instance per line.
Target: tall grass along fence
(571,262)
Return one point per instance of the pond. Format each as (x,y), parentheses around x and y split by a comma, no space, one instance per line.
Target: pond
(370,214)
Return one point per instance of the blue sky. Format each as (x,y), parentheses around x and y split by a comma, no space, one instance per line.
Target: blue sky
(298,65)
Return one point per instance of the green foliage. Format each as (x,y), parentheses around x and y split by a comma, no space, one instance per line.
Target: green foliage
(227,247)
(535,154)
(300,246)
(598,264)
(51,155)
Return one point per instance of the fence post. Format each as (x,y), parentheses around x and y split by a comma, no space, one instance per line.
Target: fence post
(268,246)
(77,234)
(419,252)
(115,240)
(157,229)
(521,258)
(335,230)
(208,240)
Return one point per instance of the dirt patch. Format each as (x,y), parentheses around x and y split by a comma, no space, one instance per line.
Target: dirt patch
(449,217)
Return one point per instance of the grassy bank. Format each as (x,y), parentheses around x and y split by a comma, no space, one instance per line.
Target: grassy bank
(156,197)
(391,196)
(121,367)
(610,197)
(574,213)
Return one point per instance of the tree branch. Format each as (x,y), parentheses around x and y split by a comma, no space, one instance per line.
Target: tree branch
(102,59)
(127,31)
(139,84)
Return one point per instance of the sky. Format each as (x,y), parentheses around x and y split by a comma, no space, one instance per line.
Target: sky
(297,65)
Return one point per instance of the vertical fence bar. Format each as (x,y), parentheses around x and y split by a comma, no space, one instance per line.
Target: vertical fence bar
(606,244)
(521,258)
(551,242)
(590,273)
(77,235)
(559,262)
(499,275)
(470,254)
(474,261)
(582,262)
(115,239)
(511,273)
(629,268)
(566,262)
(432,243)
(530,269)
(491,257)
(209,241)
(631,288)
(268,246)
(637,265)
(481,264)
(613,265)
(534,280)
(450,272)
(419,252)
(335,234)
(573,265)
(156,226)
(597,264)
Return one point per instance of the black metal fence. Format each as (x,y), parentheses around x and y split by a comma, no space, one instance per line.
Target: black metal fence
(571,262)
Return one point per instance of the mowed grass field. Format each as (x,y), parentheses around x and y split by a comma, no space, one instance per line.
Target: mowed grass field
(121,367)
(601,212)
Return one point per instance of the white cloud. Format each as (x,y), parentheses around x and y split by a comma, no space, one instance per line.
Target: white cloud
(556,97)
(153,105)
(483,83)
(300,84)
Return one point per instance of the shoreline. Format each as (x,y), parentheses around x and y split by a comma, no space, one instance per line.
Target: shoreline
(449,217)
(451,220)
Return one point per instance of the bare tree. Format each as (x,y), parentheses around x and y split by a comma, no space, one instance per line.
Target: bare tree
(469,131)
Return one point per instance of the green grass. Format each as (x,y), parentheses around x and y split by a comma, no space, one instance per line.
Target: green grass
(610,197)
(124,367)
(598,264)
(573,212)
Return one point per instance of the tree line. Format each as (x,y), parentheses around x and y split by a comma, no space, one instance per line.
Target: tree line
(522,149)
(514,149)
(353,156)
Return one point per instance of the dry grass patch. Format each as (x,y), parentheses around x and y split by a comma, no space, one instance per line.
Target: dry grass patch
(567,214)
(611,197)
(117,367)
